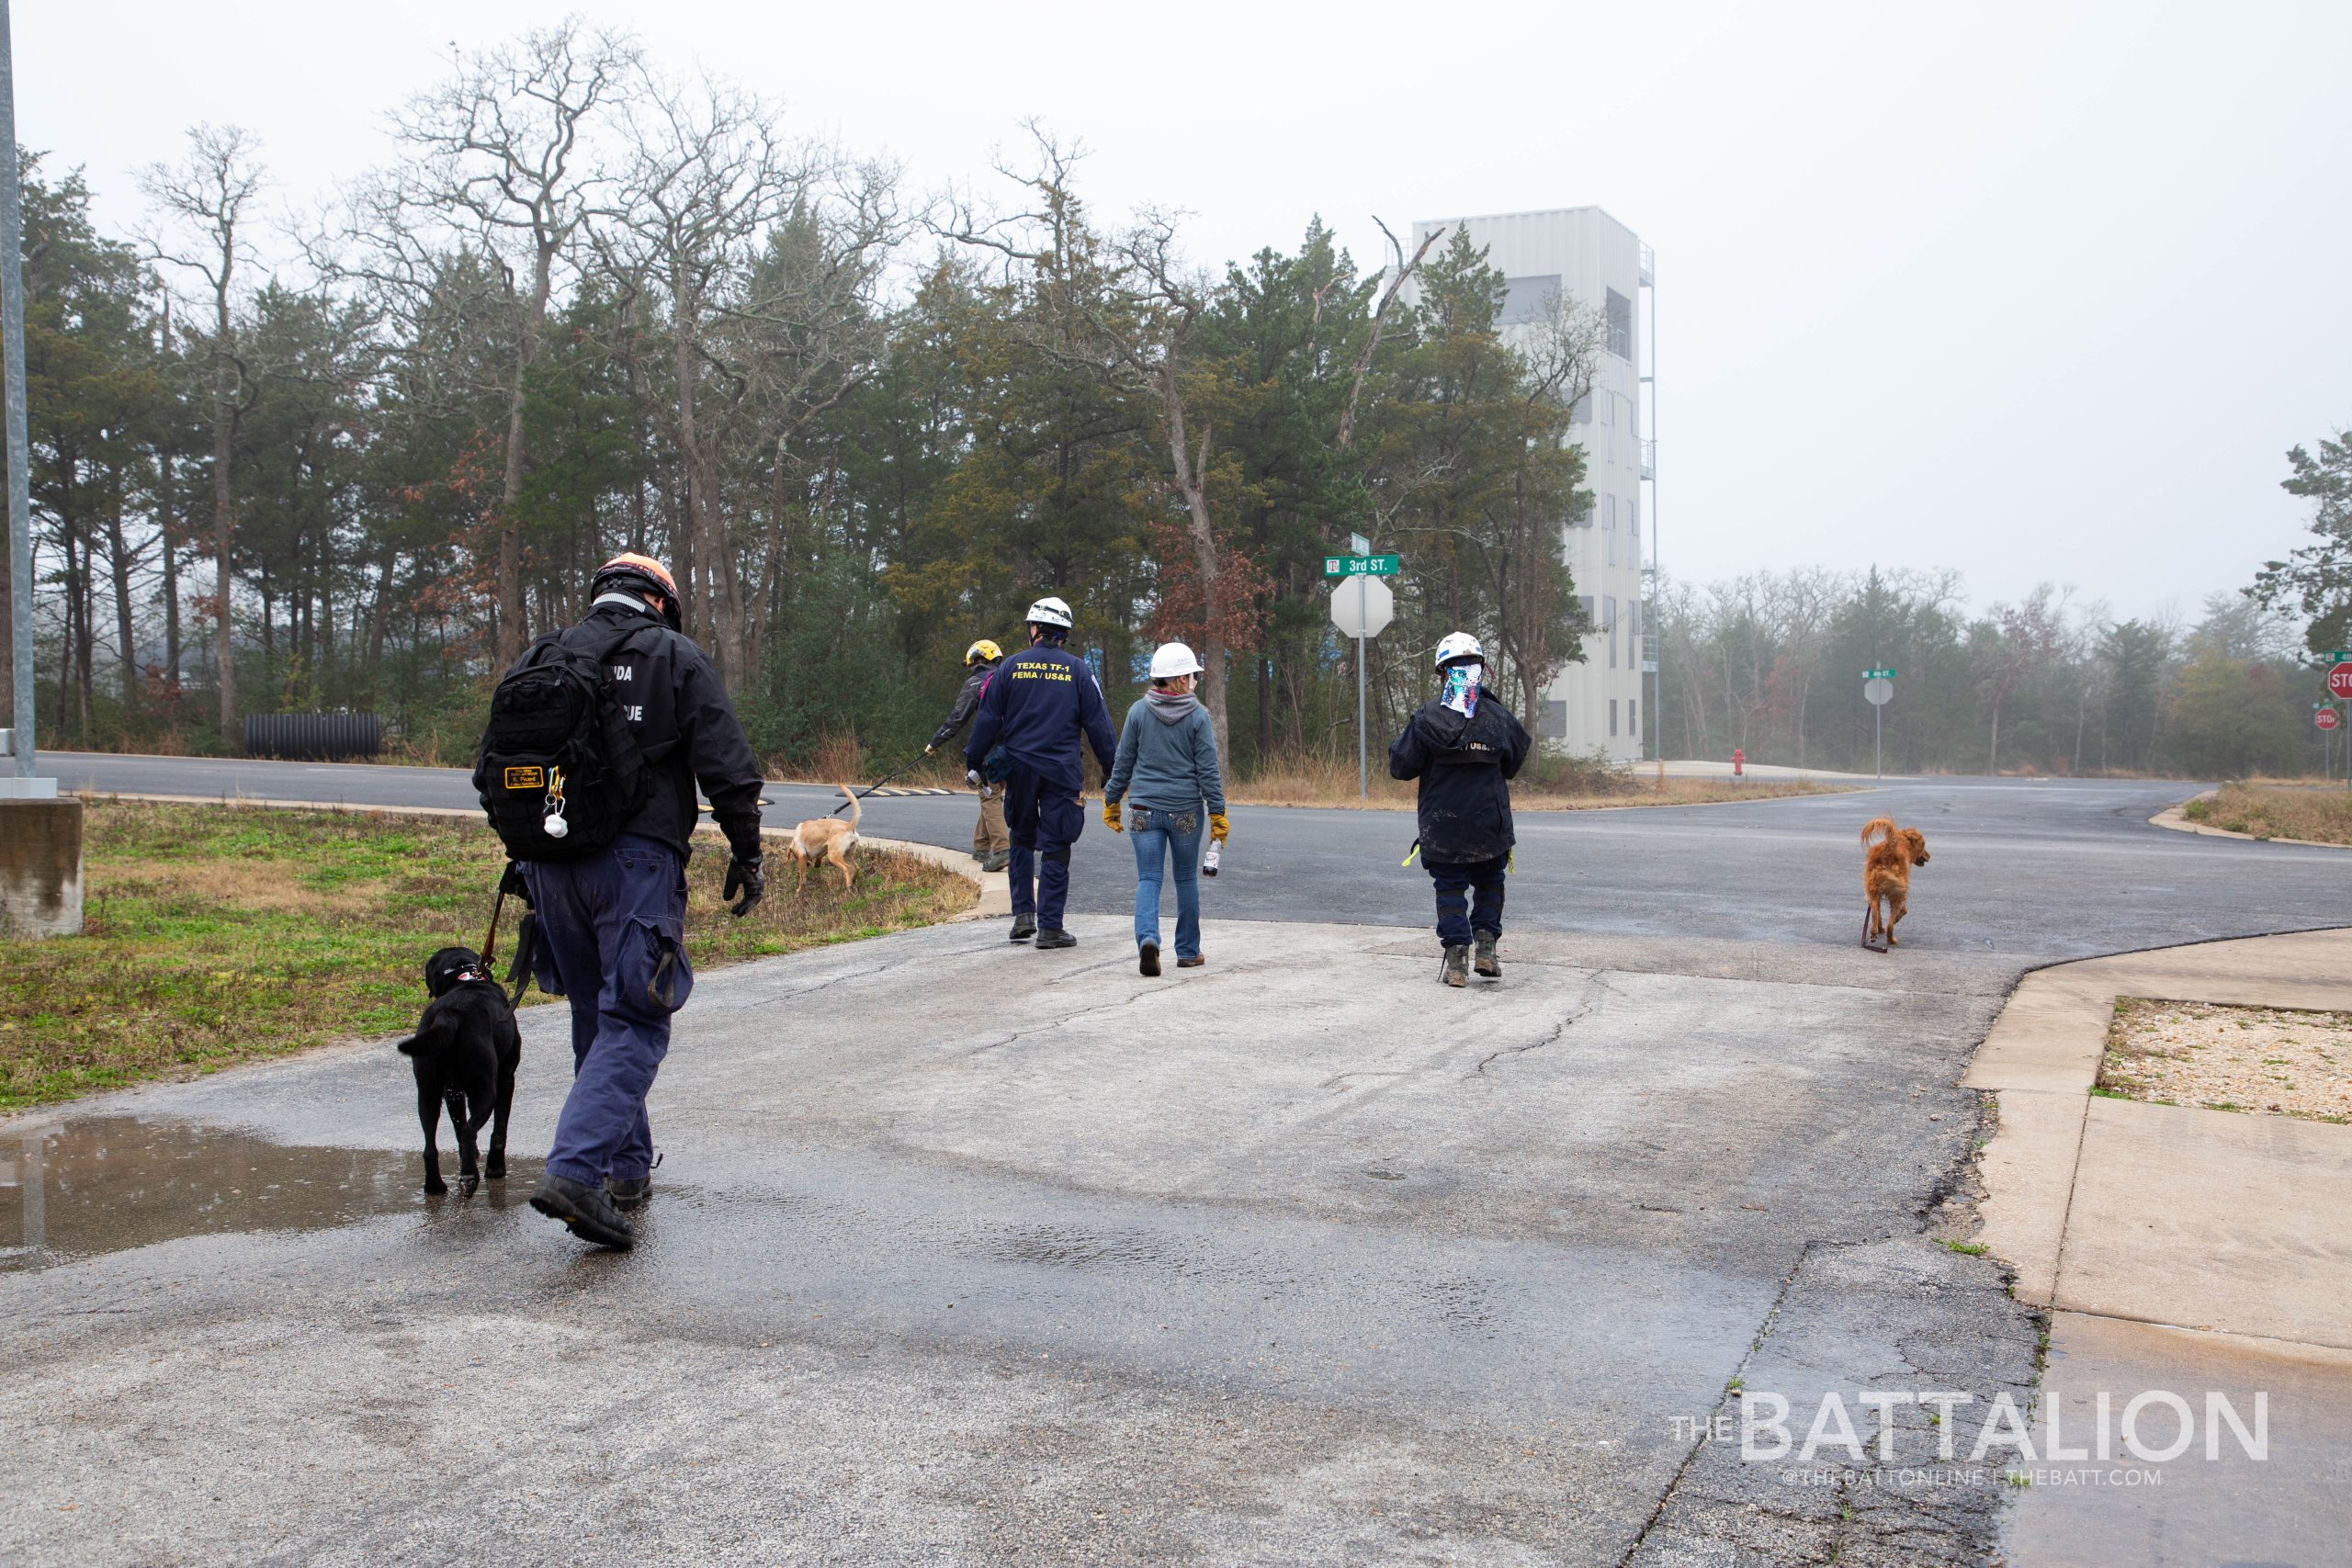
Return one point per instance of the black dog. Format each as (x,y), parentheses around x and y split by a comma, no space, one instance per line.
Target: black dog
(465,1051)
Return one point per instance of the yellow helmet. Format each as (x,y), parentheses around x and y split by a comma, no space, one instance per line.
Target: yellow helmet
(982,652)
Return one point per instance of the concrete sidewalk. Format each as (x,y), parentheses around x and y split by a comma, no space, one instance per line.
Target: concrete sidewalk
(2177,1250)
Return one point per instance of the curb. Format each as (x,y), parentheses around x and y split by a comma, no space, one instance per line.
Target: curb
(2213,1221)
(2176,819)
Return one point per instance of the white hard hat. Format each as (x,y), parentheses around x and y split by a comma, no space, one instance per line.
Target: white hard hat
(1172,658)
(1048,612)
(1457,645)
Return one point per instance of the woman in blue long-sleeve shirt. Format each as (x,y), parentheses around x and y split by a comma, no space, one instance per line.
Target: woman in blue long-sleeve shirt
(1167,768)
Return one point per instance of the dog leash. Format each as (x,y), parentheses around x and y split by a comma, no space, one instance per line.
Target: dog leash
(877,783)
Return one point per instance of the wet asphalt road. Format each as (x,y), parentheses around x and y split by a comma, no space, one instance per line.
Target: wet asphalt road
(968,1254)
(2034,871)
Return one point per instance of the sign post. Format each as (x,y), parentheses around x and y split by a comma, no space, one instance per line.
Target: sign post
(2339,687)
(1878,690)
(1362,613)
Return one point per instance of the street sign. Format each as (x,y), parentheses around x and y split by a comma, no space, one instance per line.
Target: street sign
(1359,545)
(2340,656)
(1358,566)
(1878,690)
(1363,607)
(2339,681)
(2325,718)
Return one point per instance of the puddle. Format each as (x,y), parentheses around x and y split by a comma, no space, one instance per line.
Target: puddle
(105,1184)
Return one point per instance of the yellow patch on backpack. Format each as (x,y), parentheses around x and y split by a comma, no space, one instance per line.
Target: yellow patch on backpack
(526,778)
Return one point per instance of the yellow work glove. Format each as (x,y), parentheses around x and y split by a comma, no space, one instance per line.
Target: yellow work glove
(1218,826)
(1111,817)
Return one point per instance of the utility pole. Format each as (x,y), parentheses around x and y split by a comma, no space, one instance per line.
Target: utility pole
(20,509)
(40,880)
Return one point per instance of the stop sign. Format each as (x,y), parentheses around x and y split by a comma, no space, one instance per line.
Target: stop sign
(2325,718)
(2339,680)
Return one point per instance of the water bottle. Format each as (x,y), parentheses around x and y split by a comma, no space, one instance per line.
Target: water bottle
(1208,861)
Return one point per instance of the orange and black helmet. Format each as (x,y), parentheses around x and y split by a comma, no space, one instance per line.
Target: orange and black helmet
(640,574)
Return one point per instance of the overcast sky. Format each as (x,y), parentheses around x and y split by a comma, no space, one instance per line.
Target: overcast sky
(2039,291)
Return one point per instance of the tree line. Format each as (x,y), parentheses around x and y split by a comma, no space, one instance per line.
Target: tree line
(1773,662)
(358,459)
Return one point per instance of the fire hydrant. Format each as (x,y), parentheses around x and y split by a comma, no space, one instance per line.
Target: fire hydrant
(1738,763)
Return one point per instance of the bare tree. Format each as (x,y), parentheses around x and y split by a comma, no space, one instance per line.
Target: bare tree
(710,176)
(2017,641)
(203,199)
(502,167)
(1399,275)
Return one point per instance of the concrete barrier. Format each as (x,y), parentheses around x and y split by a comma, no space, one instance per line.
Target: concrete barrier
(41,867)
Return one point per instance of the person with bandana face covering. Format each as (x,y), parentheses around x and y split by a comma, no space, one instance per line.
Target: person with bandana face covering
(1465,747)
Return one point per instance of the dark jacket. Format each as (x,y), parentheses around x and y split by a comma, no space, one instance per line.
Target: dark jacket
(1038,704)
(1464,765)
(686,729)
(967,701)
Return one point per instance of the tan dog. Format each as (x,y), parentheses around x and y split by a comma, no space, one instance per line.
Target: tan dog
(1886,875)
(826,839)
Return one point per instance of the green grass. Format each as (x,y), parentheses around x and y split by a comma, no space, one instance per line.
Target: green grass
(216,934)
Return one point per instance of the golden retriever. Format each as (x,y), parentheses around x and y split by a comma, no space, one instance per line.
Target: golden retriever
(1890,853)
(826,839)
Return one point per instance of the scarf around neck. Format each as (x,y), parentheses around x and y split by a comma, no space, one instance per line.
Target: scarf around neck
(1169,706)
(1462,689)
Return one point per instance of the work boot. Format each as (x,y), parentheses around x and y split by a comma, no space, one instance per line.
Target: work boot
(1489,964)
(628,1192)
(1147,959)
(1024,927)
(1054,938)
(586,1210)
(1455,969)
(996,860)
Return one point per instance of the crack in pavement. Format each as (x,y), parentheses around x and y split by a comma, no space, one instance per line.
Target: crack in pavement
(1739,1374)
(1063,1021)
(1593,982)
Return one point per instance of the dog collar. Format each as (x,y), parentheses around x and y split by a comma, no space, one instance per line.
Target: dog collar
(468,973)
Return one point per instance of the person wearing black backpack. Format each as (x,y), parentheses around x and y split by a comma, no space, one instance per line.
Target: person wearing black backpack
(597,737)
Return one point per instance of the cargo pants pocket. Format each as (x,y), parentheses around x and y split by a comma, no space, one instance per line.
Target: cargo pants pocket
(656,975)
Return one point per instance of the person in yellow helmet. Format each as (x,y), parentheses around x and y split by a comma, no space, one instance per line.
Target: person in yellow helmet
(992,840)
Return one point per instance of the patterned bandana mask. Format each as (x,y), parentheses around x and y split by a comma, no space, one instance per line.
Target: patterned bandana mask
(1462,688)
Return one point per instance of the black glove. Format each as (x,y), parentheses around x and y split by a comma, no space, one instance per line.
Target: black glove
(512,884)
(743,877)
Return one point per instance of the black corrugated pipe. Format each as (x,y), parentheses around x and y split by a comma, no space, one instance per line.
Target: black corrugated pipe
(313,737)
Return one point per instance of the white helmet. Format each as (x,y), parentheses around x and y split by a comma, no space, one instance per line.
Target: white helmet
(1457,645)
(1048,612)
(1173,659)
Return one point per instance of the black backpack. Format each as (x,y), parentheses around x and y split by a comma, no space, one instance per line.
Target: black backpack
(559,773)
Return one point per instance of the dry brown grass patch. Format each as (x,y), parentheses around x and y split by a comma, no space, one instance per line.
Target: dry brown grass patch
(2317,813)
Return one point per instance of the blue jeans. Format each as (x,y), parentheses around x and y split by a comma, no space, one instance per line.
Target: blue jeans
(612,936)
(1458,920)
(1161,836)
